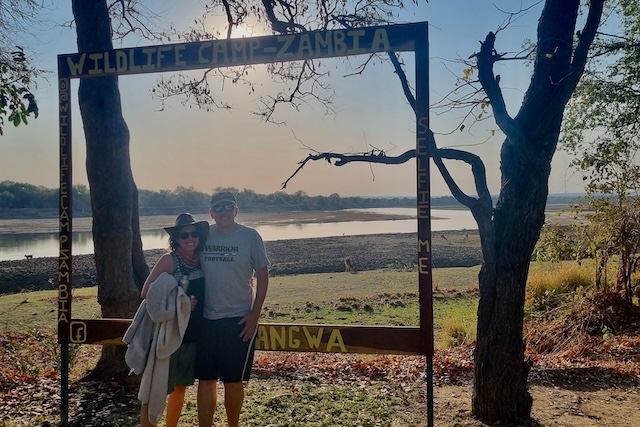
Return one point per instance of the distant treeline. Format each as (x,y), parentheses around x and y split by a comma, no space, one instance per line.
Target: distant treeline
(16,195)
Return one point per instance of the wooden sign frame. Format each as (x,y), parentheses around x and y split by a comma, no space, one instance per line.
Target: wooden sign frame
(411,37)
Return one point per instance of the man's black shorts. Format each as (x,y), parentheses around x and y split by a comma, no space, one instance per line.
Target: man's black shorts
(221,353)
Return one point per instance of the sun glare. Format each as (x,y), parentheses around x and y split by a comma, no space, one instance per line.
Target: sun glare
(244,31)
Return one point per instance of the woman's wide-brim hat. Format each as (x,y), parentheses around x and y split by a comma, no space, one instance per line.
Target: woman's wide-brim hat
(185,219)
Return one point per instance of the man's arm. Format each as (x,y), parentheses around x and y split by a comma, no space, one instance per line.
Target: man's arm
(251,320)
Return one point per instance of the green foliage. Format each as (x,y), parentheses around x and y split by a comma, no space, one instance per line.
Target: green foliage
(17,102)
(182,198)
(601,126)
(20,195)
(559,243)
(17,195)
(611,231)
(250,201)
(607,333)
(18,20)
(605,104)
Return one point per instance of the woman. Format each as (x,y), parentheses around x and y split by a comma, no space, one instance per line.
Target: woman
(186,239)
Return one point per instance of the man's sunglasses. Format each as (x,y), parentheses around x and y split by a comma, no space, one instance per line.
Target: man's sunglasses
(184,235)
(220,208)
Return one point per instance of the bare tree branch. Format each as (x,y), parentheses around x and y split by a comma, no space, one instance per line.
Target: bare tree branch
(288,11)
(585,39)
(403,80)
(310,83)
(491,85)
(339,159)
(131,17)
(478,205)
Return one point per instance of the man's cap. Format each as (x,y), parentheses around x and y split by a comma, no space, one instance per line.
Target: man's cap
(223,196)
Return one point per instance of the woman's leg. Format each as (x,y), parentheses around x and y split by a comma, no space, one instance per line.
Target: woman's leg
(144,416)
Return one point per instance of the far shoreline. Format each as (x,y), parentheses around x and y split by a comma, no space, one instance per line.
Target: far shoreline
(554,213)
(157,222)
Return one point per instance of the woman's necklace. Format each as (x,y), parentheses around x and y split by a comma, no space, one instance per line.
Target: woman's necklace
(186,265)
(184,282)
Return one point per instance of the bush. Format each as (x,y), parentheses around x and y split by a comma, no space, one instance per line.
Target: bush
(547,290)
(456,332)
(559,243)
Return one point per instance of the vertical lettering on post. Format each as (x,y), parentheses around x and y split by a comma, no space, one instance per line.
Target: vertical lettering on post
(423,196)
(64,219)
(423,157)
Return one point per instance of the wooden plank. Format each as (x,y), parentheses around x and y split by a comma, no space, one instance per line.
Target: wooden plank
(241,51)
(283,337)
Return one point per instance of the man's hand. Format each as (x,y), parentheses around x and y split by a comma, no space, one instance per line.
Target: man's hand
(250,322)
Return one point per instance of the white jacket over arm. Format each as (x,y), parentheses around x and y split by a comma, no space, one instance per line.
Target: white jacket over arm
(167,308)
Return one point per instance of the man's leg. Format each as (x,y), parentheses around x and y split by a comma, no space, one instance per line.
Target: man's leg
(207,400)
(174,405)
(233,398)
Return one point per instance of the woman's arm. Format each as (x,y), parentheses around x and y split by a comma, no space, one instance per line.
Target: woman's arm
(164,265)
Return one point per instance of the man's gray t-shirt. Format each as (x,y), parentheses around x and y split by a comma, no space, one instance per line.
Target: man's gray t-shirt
(228,262)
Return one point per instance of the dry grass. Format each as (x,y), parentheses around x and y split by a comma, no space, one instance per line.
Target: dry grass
(546,289)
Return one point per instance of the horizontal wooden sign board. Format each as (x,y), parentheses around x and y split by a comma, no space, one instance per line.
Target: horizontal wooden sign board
(242,51)
(283,337)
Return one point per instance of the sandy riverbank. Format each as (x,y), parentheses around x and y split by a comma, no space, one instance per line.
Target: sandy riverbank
(554,213)
(252,219)
(300,256)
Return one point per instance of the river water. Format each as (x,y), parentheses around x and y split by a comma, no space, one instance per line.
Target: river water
(15,246)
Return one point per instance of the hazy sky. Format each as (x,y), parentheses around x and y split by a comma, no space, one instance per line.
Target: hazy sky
(184,146)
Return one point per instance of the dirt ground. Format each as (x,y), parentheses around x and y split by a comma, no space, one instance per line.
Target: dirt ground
(551,408)
(587,397)
(570,396)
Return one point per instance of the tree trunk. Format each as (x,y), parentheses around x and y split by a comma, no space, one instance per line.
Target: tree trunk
(119,259)
(500,391)
(500,388)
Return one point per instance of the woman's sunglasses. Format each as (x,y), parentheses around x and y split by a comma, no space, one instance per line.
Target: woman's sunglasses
(220,208)
(184,235)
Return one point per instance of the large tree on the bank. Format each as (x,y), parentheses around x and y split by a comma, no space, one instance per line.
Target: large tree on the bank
(510,230)
(120,263)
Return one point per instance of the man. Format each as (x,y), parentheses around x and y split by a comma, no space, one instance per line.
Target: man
(232,255)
